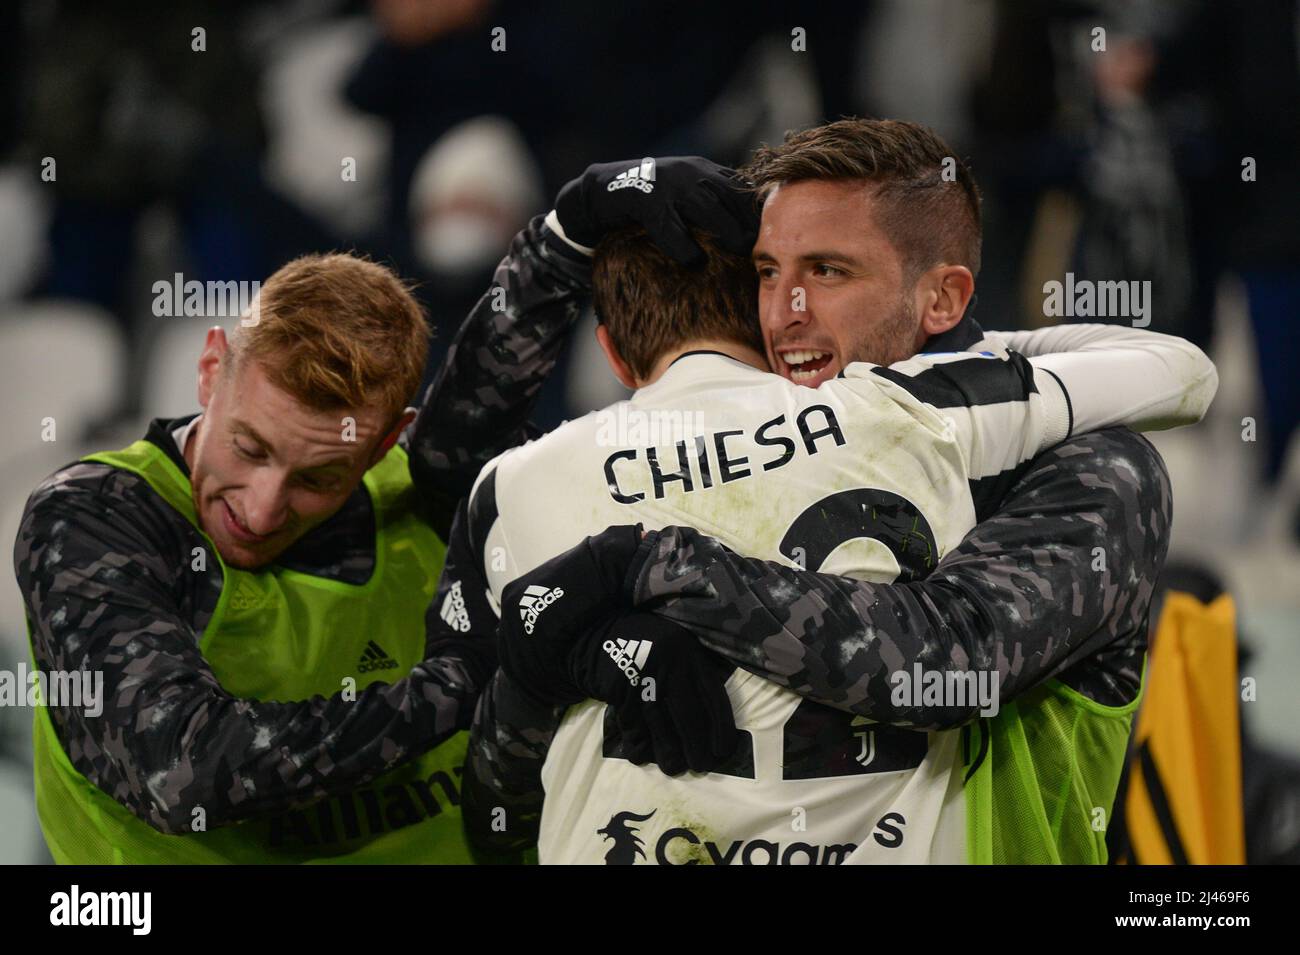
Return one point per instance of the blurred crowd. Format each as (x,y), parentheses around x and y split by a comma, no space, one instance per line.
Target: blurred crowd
(463,117)
(215,139)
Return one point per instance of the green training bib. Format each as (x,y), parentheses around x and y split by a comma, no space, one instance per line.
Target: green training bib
(283,635)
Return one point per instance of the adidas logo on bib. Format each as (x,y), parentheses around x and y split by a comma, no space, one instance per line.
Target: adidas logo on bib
(374,658)
(248,597)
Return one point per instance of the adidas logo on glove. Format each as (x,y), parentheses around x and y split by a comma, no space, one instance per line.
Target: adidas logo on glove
(630,656)
(536,599)
(638,177)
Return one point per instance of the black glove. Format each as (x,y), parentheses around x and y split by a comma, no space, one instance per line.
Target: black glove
(548,610)
(667,197)
(668,692)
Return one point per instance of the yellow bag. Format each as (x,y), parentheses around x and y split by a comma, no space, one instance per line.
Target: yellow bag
(1184,802)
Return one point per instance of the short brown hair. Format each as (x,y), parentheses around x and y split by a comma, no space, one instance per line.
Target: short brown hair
(338,331)
(651,303)
(930,219)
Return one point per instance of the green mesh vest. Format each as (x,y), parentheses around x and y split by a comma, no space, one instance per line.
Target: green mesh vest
(1047,767)
(282,635)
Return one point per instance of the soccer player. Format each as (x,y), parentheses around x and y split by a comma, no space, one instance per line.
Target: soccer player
(805,755)
(251,582)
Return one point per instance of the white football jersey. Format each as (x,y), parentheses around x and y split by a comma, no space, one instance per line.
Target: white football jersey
(875,475)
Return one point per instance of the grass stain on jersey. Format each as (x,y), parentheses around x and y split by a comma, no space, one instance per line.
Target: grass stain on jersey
(682,852)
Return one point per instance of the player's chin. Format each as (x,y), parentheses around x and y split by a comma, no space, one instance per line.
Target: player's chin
(239,556)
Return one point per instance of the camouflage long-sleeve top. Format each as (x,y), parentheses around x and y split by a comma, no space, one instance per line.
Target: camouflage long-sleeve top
(478,404)
(104,566)
(1055,584)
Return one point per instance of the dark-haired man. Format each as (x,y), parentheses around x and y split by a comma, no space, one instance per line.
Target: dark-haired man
(850,478)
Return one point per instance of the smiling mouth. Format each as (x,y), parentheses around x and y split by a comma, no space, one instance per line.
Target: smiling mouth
(805,364)
(237,528)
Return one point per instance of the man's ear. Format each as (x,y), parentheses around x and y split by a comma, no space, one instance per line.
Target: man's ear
(943,294)
(390,439)
(216,352)
(616,363)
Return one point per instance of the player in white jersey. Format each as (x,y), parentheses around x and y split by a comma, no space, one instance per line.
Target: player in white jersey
(873,475)
(1017,597)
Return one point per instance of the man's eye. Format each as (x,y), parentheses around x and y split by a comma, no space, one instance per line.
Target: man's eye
(826,271)
(766,272)
(247,453)
(312,483)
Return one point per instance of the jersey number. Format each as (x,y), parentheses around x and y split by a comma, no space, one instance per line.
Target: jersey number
(819,741)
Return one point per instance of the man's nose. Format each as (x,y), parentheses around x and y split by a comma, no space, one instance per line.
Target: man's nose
(266,505)
(787,307)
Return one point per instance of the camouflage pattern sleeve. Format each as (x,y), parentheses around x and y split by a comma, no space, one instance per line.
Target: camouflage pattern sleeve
(502,785)
(1057,583)
(479,402)
(102,567)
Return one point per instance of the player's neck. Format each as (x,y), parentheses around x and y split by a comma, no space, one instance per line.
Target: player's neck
(187,452)
(741,353)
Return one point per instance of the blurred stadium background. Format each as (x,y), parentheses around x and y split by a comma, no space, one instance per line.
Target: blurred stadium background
(224,163)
